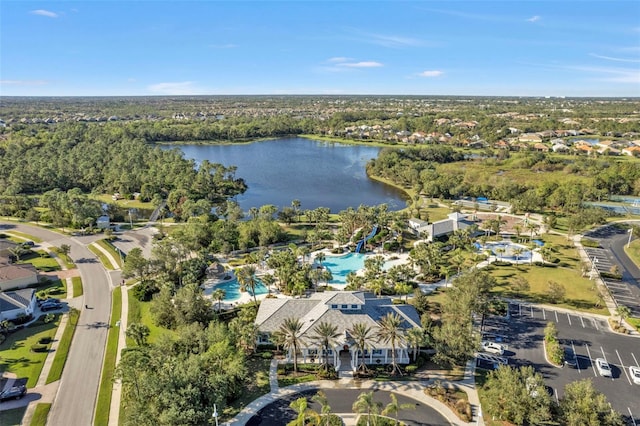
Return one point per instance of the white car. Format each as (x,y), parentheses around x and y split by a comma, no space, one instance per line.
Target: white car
(634,372)
(492,347)
(603,367)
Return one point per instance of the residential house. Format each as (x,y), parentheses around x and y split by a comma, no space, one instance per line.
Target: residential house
(103,222)
(540,147)
(13,276)
(530,137)
(343,309)
(14,304)
(559,147)
(632,151)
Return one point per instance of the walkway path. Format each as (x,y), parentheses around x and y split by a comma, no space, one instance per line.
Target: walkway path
(414,390)
(114,262)
(114,410)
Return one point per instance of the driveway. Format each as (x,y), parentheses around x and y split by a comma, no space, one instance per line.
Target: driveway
(75,401)
(341,401)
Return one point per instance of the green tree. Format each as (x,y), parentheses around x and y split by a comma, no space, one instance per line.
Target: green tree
(326,336)
(392,332)
(394,408)
(582,405)
(291,332)
(367,405)
(138,333)
(623,312)
(247,279)
(219,295)
(325,408)
(135,265)
(363,338)
(301,407)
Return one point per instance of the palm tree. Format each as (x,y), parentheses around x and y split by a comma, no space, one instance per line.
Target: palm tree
(247,280)
(393,408)
(623,312)
(416,337)
(517,252)
(363,337)
(326,336)
(138,332)
(391,331)
(320,256)
(301,407)
(219,295)
(291,331)
(325,408)
(268,280)
(296,207)
(365,404)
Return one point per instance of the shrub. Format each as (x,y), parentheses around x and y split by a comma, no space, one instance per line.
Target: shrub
(48,318)
(44,340)
(266,355)
(410,369)
(39,348)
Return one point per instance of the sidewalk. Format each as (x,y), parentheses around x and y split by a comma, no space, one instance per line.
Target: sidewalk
(414,390)
(114,409)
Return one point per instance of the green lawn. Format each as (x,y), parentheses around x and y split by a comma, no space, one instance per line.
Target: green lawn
(103,258)
(633,251)
(105,244)
(52,288)
(140,312)
(77,286)
(25,236)
(68,263)
(12,417)
(108,368)
(40,414)
(16,350)
(41,260)
(63,347)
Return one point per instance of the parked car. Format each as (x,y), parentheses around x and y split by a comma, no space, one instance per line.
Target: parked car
(603,367)
(50,306)
(570,359)
(28,244)
(48,301)
(634,372)
(492,347)
(15,392)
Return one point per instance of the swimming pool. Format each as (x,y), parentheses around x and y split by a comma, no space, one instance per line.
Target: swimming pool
(232,289)
(340,266)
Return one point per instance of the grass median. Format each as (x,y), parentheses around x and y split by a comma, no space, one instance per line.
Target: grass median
(63,347)
(103,257)
(103,405)
(24,236)
(106,244)
(77,286)
(40,414)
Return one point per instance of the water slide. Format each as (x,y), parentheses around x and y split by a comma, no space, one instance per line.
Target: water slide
(362,242)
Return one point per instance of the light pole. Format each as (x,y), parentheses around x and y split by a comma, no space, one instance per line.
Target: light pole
(594,270)
(630,235)
(215,414)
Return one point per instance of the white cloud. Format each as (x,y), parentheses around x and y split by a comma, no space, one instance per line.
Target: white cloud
(610,58)
(178,88)
(42,12)
(431,73)
(361,64)
(339,59)
(535,18)
(23,82)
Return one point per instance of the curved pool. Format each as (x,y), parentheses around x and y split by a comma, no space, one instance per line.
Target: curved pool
(340,266)
(232,289)
(505,250)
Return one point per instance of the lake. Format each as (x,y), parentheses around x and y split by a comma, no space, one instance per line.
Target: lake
(319,174)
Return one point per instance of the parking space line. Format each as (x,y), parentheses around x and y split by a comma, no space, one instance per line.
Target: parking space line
(595,324)
(569,318)
(544,314)
(555,391)
(575,357)
(631,417)
(605,359)
(591,360)
(556,312)
(634,358)
(531,308)
(519,309)
(582,321)
(623,369)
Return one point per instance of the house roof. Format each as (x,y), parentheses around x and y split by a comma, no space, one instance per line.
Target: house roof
(16,299)
(13,271)
(317,308)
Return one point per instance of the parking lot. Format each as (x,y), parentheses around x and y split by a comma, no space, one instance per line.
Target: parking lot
(522,333)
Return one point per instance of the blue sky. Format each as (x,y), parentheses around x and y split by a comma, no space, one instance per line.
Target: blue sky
(524,48)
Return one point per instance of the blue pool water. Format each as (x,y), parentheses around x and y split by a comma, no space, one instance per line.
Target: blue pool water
(505,250)
(232,289)
(340,266)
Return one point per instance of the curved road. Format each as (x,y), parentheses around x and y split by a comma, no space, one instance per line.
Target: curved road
(76,397)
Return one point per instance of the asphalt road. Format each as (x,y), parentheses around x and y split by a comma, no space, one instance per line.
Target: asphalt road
(75,401)
(341,401)
(589,338)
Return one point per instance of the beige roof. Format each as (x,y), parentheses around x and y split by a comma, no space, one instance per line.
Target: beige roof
(13,272)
